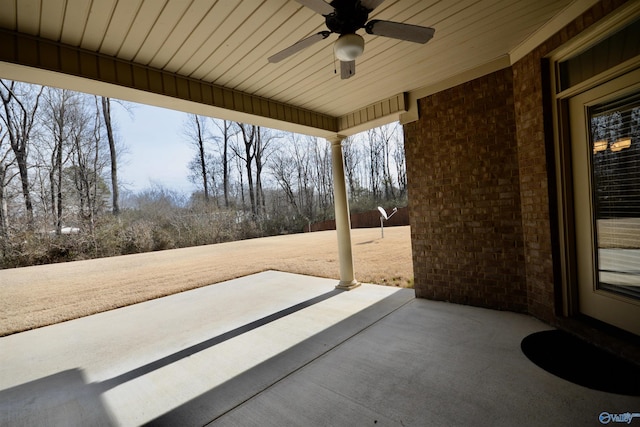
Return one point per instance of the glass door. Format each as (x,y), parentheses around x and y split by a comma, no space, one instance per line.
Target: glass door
(605,150)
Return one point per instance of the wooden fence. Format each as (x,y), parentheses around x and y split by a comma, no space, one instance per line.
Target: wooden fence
(367,219)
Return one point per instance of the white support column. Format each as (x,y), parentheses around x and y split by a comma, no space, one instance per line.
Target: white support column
(343,221)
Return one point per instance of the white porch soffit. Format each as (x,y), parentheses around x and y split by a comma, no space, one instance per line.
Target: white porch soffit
(210,57)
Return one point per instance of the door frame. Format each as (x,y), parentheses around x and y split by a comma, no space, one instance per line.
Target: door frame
(611,308)
(567,268)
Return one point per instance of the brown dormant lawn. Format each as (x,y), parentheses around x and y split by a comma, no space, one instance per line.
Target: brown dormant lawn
(32,297)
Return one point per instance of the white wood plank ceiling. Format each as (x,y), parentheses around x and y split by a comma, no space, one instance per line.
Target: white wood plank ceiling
(227,42)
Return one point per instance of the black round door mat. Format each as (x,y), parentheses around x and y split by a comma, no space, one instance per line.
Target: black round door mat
(574,360)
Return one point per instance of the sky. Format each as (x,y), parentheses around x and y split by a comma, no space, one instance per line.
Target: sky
(156,150)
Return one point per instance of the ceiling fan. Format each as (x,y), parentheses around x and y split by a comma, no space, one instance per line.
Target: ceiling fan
(345,17)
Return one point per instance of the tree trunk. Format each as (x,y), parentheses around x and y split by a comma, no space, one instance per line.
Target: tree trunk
(56,166)
(59,208)
(401,172)
(4,214)
(249,149)
(202,158)
(21,157)
(260,203)
(19,122)
(52,191)
(388,183)
(252,196)
(225,163)
(244,203)
(115,196)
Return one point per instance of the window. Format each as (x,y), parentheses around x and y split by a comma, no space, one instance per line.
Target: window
(612,51)
(615,166)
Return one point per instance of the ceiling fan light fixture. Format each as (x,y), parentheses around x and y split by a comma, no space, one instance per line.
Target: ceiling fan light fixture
(348,47)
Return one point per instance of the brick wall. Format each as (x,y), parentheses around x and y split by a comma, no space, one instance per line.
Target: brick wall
(534,186)
(462,165)
(480,175)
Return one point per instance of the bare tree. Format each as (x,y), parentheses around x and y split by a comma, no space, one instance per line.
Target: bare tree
(283,170)
(375,151)
(20,103)
(263,149)
(247,153)
(239,166)
(60,117)
(226,129)
(351,164)
(386,134)
(292,168)
(5,178)
(258,151)
(323,176)
(400,163)
(89,162)
(196,131)
(115,194)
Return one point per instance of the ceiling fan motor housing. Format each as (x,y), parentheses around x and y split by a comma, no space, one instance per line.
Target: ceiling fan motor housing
(349,16)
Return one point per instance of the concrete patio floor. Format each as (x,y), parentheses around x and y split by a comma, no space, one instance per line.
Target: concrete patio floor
(279,349)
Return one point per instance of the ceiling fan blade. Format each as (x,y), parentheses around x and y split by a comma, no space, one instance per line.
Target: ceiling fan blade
(370,4)
(297,47)
(347,69)
(398,30)
(318,6)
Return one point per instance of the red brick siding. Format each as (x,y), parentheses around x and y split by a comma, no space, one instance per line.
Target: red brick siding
(534,183)
(464,196)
